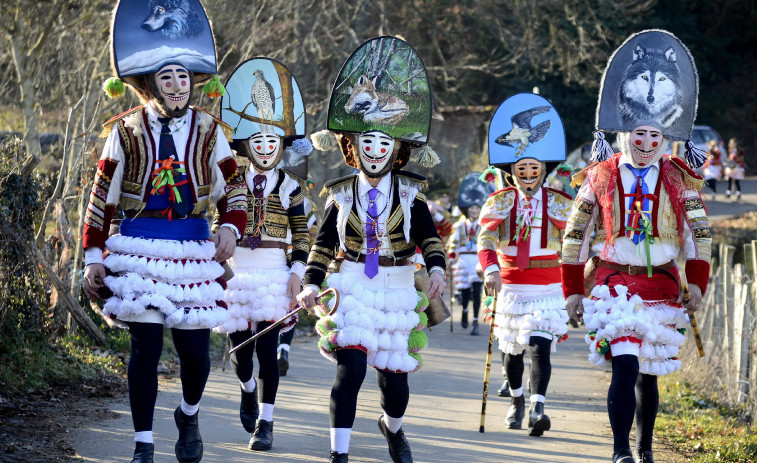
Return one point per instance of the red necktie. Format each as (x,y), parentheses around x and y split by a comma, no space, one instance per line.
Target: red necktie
(524,238)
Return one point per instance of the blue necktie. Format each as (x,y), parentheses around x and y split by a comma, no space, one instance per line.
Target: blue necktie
(166,149)
(640,174)
(372,244)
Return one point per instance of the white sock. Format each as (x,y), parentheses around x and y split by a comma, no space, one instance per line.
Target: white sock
(143,436)
(249,386)
(340,439)
(189,410)
(394,424)
(516,392)
(266,412)
(285,347)
(537,398)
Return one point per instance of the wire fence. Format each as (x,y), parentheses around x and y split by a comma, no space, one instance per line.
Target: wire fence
(728,327)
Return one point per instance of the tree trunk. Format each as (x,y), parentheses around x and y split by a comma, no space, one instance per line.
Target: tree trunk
(28,97)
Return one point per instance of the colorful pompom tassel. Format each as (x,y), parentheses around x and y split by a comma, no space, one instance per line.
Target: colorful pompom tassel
(214,88)
(324,140)
(489,175)
(427,157)
(564,170)
(601,149)
(114,87)
(309,184)
(694,156)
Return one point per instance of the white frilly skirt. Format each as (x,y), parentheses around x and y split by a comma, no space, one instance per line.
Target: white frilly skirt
(382,316)
(257,293)
(652,330)
(529,310)
(464,271)
(180,293)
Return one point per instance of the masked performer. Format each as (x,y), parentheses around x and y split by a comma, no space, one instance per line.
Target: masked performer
(518,248)
(376,218)
(163,162)
(265,108)
(645,209)
(463,253)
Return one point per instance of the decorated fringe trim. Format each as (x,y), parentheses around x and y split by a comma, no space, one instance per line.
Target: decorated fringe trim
(489,175)
(427,157)
(324,140)
(694,156)
(214,88)
(114,87)
(601,149)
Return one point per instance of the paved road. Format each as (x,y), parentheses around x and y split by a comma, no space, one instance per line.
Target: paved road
(723,208)
(442,420)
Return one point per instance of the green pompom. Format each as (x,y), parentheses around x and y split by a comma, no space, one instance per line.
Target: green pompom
(325,345)
(423,320)
(417,357)
(417,341)
(324,325)
(214,88)
(114,87)
(423,303)
(488,300)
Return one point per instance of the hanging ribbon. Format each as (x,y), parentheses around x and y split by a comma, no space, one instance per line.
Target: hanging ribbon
(162,178)
(645,226)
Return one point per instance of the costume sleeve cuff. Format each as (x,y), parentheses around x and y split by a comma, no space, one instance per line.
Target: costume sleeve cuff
(438,270)
(698,273)
(313,287)
(487,258)
(298,268)
(93,255)
(233,228)
(572,279)
(491,269)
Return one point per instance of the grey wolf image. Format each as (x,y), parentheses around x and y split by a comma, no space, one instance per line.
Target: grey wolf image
(522,134)
(650,90)
(374,105)
(174,18)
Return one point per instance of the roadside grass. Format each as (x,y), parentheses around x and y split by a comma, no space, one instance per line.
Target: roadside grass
(701,429)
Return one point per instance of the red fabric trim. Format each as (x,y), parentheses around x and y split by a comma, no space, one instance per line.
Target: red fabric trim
(621,194)
(544,218)
(530,276)
(656,206)
(92,237)
(513,219)
(155,154)
(572,279)
(487,257)
(673,182)
(660,287)
(188,158)
(632,339)
(358,347)
(698,273)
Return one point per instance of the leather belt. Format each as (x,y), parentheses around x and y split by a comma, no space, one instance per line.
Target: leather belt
(384,261)
(158,214)
(535,263)
(265,244)
(634,269)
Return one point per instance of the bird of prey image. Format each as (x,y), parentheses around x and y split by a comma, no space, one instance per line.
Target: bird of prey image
(522,134)
(264,100)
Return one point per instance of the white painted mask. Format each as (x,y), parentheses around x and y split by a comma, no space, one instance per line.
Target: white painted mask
(174,86)
(529,175)
(265,150)
(376,151)
(645,144)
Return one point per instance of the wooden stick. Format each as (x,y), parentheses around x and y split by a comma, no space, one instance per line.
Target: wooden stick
(488,366)
(288,316)
(692,318)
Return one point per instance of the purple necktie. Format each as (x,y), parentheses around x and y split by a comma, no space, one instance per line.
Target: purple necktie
(258,185)
(372,245)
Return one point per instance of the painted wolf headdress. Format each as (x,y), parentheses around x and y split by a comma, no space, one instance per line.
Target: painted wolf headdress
(263,96)
(651,79)
(473,191)
(383,86)
(149,34)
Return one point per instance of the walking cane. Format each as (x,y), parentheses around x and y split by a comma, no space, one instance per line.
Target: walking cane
(692,318)
(488,366)
(289,315)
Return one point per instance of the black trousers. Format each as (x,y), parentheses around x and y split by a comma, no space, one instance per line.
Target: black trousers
(142,373)
(266,348)
(541,367)
(632,395)
(472,294)
(350,373)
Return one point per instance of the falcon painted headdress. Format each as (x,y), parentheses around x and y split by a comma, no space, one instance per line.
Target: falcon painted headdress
(149,34)
(651,79)
(473,191)
(383,87)
(526,125)
(263,96)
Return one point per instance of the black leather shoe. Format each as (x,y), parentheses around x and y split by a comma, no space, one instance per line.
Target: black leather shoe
(514,419)
(474,330)
(644,456)
(538,422)
(464,319)
(249,410)
(189,445)
(143,452)
(337,457)
(504,391)
(622,456)
(283,362)
(262,438)
(399,448)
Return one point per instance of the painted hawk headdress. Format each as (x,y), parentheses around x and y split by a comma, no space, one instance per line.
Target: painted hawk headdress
(147,35)
(383,86)
(651,79)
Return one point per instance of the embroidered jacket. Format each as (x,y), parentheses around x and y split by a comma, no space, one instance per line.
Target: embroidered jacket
(499,222)
(678,221)
(284,210)
(343,229)
(464,237)
(124,172)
